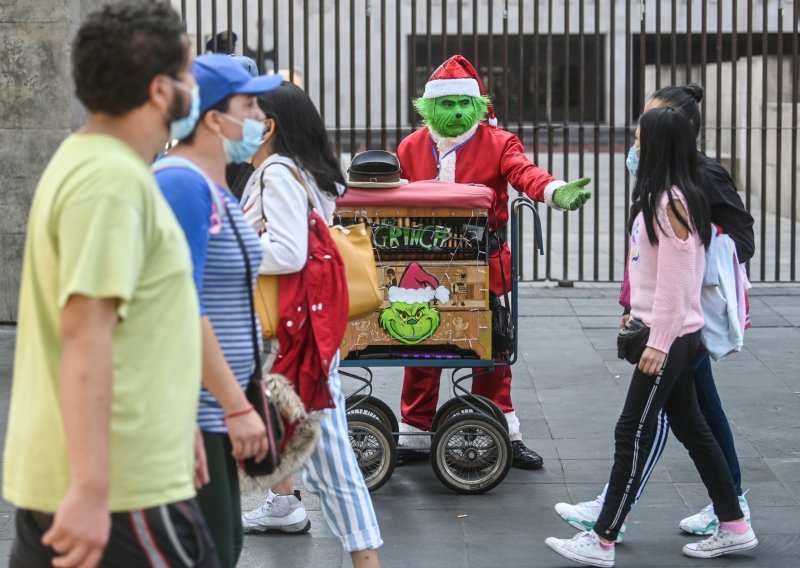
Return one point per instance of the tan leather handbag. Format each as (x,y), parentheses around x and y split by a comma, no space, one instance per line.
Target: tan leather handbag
(355,245)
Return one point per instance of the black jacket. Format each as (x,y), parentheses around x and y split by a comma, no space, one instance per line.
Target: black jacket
(727,209)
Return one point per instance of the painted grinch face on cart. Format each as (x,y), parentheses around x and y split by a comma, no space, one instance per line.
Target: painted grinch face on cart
(451,116)
(412,316)
(410,324)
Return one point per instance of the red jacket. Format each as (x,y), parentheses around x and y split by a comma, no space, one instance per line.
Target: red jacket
(493,157)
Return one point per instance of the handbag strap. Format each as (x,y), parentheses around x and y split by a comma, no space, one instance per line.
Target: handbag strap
(297,178)
(249,286)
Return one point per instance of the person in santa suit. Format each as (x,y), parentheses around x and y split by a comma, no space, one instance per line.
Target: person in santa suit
(457,145)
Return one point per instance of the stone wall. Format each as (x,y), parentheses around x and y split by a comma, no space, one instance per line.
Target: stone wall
(37,111)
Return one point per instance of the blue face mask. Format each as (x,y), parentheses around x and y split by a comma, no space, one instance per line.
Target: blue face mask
(632,161)
(180,128)
(238,151)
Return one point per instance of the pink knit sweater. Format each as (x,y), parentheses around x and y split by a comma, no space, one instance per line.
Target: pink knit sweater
(665,279)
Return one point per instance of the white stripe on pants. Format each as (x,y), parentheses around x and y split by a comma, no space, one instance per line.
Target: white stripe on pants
(332,473)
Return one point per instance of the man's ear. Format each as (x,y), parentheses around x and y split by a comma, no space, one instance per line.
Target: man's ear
(161,93)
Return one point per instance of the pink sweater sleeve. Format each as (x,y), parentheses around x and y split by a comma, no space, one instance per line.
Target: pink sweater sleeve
(677,276)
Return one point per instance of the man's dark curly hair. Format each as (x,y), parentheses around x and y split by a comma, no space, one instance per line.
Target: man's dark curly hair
(121,48)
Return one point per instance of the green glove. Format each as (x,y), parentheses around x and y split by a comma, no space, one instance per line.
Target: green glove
(572,196)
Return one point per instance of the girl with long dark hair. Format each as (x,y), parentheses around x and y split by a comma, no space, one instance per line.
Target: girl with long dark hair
(729,213)
(669,234)
(296,173)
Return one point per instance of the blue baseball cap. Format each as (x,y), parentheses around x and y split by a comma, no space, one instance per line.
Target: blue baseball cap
(220,76)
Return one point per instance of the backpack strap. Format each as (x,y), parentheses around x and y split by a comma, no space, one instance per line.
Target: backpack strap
(217,203)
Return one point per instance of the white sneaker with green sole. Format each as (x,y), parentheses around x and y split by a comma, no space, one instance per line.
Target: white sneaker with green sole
(705,523)
(583,516)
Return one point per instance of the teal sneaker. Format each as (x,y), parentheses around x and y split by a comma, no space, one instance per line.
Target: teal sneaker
(583,516)
(705,523)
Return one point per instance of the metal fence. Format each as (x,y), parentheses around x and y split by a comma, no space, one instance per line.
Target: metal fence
(569,78)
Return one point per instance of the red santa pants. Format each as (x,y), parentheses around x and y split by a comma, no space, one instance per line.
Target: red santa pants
(421,384)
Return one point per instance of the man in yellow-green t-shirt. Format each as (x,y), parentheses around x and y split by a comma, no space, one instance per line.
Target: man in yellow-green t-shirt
(100,451)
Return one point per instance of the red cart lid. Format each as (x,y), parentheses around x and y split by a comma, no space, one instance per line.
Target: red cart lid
(422,194)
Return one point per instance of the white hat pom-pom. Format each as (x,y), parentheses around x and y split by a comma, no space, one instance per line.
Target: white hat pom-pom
(442,294)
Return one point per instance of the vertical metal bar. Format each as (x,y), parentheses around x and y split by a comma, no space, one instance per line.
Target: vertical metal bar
(689,41)
(718,126)
(734,89)
(520,252)
(275,37)
(260,48)
(764,93)
(778,140)
(658,45)
(505,64)
(214,26)
(599,62)
(337,100)
(322,47)
(475,33)
(183,11)
(628,122)
(245,45)
(535,132)
(230,26)
(368,73)
(612,73)
(413,64)
(565,142)
(199,27)
(306,54)
(291,42)
(490,59)
(550,134)
(673,55)
(352,48)
(398,41)
(795,104)
(383,75)
(749,111)
(642,60)
(581,119)
(703,65)
(445,53)
(459,28)
(428,38)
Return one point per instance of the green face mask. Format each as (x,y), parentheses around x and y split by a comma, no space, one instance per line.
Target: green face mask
(451,116)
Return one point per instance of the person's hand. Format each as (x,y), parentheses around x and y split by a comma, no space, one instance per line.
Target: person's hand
(248,436)
(201,476)
(623,321)
(572,196)
(652,361)
(81,529)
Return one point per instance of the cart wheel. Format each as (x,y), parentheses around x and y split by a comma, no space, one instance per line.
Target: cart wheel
(374,407)
(471,453)
(456,406)
(375,449)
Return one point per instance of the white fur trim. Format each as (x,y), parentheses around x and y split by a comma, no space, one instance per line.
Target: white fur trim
(492,121)
(444,87)
(409,296)
(513,426)
(442,295)
(550,191)
(447,165)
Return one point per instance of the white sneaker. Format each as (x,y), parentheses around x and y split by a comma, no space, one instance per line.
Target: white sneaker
(584,547)
(416,443)
(723,542)
(583,516)
(705,523)
(280,513)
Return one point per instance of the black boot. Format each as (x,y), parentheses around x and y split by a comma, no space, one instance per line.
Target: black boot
(525,458)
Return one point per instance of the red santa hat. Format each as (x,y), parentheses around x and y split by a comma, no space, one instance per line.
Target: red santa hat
(417,285)
(457,76)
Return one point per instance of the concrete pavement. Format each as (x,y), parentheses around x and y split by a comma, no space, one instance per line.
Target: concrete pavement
(568,390)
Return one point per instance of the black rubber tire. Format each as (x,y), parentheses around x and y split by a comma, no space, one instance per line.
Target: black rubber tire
(375,407)
(456,406)
(375,449)
(471,453)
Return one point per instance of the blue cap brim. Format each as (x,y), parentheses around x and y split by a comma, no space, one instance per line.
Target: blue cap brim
(259,85)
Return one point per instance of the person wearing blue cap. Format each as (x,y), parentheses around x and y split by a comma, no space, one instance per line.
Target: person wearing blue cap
(226,127)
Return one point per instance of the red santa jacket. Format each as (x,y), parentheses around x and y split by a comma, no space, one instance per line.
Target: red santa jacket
(493,157)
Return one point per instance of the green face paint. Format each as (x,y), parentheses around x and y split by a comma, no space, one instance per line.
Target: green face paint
(452,116)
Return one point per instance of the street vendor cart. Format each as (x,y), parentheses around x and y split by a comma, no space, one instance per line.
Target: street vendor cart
(430,241)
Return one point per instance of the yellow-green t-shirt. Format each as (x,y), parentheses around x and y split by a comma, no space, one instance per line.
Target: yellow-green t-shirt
(100,227)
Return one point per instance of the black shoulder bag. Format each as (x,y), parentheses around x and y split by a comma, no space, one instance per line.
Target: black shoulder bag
(256,391)
(632,340)
(502,322)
